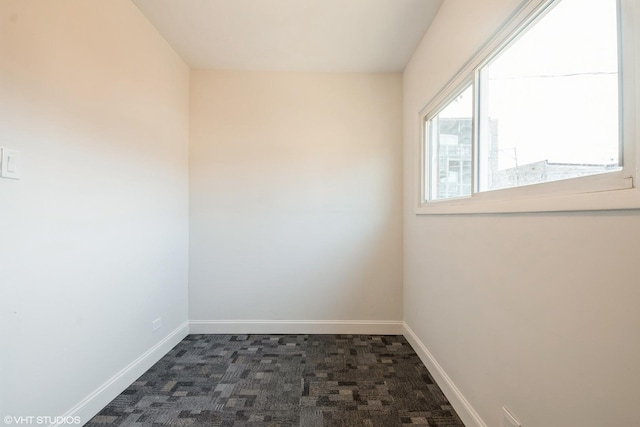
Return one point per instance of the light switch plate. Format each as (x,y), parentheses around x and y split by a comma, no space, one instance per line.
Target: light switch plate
(10,167)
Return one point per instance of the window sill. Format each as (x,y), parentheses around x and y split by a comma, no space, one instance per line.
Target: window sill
(623,197)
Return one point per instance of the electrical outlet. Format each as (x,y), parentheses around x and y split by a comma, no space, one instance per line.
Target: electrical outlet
(157,323)
(508,420)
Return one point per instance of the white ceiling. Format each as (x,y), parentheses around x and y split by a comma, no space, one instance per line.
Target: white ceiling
(293,35)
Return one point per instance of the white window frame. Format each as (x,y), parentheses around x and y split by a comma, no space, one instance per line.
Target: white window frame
(609,191)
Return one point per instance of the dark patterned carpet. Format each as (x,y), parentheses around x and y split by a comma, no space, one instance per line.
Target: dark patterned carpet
(284,380)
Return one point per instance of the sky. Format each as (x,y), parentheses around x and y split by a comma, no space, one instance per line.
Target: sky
(554,90)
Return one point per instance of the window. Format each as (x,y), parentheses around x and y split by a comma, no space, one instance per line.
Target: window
(450,136)
(538,112)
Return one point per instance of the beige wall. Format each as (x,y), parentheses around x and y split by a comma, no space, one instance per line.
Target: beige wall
(94,235)
(295,195)
(535,312)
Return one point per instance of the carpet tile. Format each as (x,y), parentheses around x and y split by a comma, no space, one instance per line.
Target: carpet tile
(285,381)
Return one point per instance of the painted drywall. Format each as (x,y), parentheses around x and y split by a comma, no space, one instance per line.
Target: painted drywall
(295,196)
(95,234)
(535,312)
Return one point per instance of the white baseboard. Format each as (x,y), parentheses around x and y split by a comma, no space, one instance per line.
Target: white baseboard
(461,405)
(369,327)
(96,401)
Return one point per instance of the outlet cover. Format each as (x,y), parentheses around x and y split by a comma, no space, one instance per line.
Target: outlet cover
(509,420)
(157,323)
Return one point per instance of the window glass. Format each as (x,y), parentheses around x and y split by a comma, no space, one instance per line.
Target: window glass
(450,149)
(549,101)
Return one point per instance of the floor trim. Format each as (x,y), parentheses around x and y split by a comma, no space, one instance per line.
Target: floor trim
(465,411)
(368,327)
(99,398)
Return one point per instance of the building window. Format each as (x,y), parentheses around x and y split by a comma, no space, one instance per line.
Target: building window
(541,103)
(449,137)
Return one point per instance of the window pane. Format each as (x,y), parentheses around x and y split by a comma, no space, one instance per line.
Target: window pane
(449,163)
(549,102)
